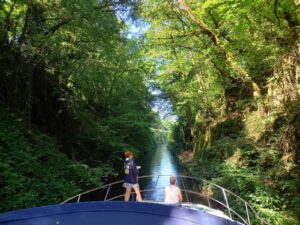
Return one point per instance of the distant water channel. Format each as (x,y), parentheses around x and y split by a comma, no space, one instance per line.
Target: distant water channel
(160,162)
(154,176)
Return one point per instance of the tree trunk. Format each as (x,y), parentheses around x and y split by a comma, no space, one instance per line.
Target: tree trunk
(217,42)
(28,91)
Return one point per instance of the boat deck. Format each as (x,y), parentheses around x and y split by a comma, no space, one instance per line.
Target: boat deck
(205,203)
(112,213)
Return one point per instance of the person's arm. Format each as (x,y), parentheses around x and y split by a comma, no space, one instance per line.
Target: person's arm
(134,169)
(180,196)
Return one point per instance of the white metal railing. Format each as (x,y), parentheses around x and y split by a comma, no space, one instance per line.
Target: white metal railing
(208,193)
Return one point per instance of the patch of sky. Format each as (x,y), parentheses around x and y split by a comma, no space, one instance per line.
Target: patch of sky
(163,106)
(136,29)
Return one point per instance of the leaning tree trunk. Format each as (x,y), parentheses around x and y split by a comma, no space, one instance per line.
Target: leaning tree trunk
(217,42)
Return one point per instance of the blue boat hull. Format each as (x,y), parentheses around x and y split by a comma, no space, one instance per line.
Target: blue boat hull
(111,213)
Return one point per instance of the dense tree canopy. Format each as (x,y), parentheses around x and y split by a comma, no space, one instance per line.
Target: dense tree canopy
(76,85)
(69,70)
(231,72)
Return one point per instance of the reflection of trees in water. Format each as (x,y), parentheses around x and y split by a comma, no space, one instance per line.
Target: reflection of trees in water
(161,162)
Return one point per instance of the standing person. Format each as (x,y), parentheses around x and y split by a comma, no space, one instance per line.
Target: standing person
(131,177)
(173,193)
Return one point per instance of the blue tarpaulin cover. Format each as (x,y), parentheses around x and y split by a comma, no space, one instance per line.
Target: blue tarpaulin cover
(111,213)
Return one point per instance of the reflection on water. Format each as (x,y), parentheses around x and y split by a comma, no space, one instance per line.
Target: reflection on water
(162,162)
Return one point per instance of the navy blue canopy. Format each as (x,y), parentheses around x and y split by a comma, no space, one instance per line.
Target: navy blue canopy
(111,213)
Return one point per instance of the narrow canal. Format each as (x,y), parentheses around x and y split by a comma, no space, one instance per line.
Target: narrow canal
(159,166)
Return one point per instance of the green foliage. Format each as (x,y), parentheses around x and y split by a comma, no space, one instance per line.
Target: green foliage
(174,138)
(254,125)
(161,130)
(228,69)
(76,61)
(33,171)
(69,69)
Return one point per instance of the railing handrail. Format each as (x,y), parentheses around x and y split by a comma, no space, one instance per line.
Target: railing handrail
(205,182)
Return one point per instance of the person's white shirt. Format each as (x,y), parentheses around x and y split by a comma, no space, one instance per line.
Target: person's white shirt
(172,194)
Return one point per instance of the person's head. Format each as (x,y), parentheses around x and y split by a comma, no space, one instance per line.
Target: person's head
(129,154)
(173,180)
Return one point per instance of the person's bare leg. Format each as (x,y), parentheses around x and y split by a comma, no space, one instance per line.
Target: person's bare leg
(138,194)
(127,194)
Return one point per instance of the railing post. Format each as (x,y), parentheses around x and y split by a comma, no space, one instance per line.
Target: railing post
(187,198)
(225,197)
(249,210)
(156,180)
(248,217)
(208,201)
(207,197)
(107,192)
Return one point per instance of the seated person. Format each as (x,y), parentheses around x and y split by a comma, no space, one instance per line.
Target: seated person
(173,193)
